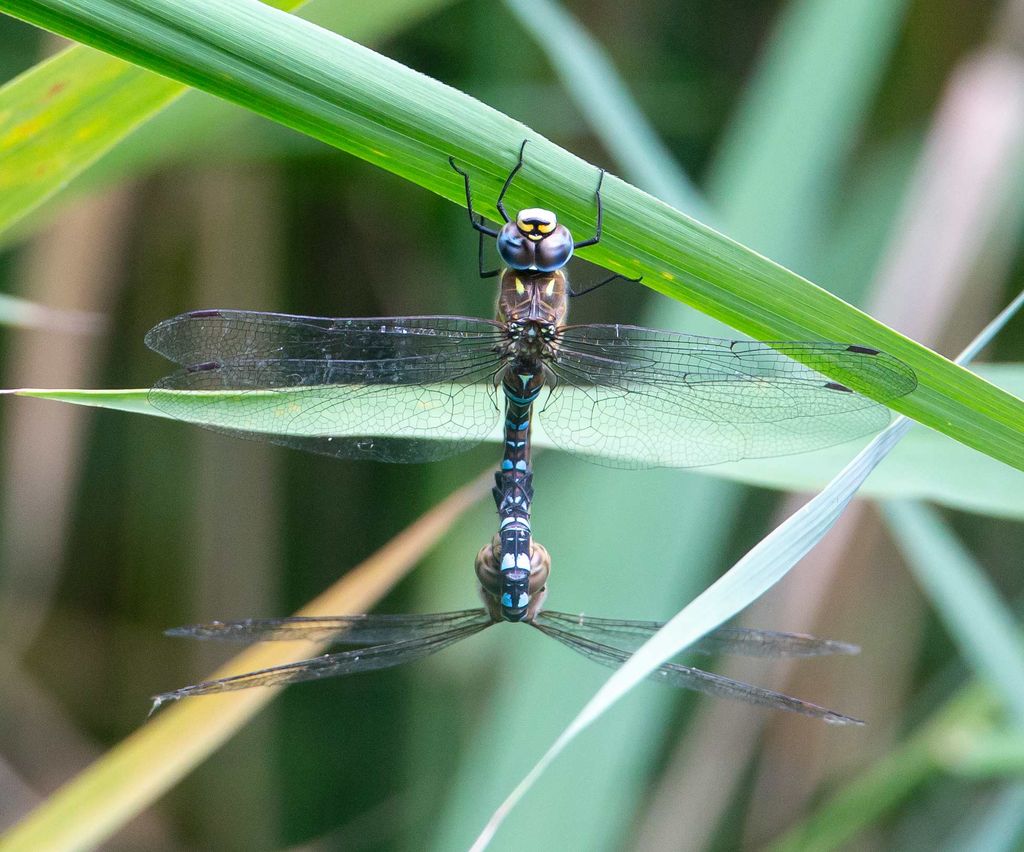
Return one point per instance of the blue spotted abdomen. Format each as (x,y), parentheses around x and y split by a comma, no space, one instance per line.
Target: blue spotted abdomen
(513,491)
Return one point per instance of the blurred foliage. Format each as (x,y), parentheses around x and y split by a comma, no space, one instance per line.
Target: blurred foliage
(162,525)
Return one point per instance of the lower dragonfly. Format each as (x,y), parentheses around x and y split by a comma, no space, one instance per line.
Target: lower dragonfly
(413,389)
(381,641)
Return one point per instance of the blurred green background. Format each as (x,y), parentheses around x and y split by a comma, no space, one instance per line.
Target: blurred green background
(874,147)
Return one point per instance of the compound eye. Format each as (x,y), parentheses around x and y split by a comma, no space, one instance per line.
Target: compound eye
(516,251)
(554,251)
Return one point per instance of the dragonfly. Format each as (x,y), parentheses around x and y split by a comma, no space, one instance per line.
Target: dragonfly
(421,388)
(380,641)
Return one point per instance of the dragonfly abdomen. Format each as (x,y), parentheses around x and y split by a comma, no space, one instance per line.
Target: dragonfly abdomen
(513,492)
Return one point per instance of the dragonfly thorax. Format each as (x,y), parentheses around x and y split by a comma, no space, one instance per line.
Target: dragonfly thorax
(535,241)
(533,304)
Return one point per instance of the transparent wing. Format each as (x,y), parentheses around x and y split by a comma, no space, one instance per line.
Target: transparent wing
(698,680)
(394,389)
(635,397)
(370,629)
(742,641)
(198,337)
(332,665)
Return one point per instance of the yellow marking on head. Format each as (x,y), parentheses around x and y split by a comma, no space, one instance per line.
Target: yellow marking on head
(536,219)
(520,289)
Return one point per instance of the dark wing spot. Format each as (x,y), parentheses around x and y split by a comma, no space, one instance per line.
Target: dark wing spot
(201,368)
(863,350)
(203,314)
(837,387)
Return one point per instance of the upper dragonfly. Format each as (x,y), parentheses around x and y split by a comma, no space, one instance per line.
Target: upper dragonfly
(411,389)
(419,388)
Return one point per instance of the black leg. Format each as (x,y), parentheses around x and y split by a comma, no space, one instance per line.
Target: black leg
(573,293)
(479,226)
(594,240)
(480,260)
(508,182)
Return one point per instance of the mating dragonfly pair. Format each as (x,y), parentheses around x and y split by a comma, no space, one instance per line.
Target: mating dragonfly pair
(412,389)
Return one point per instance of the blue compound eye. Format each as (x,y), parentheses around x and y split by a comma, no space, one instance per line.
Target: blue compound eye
(553,252)
(514,249)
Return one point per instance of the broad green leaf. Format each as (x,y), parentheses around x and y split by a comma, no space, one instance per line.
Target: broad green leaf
(926,465)
(364,103)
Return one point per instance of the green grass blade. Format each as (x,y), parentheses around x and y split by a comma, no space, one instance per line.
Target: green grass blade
(326,86)
(64,114)
(21,313)
(989,754)
(842,47)
(982,627)
(999,828)
(893,779)
(600,93)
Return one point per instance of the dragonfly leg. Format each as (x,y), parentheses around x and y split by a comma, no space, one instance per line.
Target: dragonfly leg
(594,240)
(508,182)
(484,273)
(479,226)
(574,293)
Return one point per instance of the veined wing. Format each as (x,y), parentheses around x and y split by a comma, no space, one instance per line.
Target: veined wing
(698,680)
(383,389)
(198,337)
(742,641)
(372,658)
(636,397)
(370,629)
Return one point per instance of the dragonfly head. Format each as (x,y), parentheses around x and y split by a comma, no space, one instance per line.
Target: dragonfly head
(535,240)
